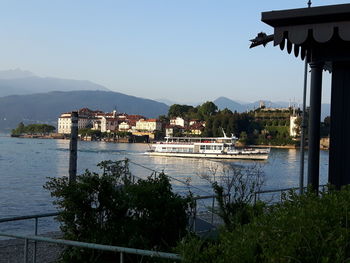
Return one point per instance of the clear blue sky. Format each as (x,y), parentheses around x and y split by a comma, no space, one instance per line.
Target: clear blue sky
(182,50)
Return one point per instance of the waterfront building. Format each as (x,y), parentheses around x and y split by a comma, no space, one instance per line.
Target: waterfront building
(286,118)
(196,128)
(294,129)
(96,120)
(109,124)
(124,126)
(179,121)
(173,130)
(150,125)
(64,122)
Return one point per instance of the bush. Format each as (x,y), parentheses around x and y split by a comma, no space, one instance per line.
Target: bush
(33,129)
(111,209)
(307,228)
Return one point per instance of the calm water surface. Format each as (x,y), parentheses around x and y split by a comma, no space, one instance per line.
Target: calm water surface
(25,165)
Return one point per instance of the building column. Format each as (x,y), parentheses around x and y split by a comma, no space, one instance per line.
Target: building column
(339,151)
(314,125)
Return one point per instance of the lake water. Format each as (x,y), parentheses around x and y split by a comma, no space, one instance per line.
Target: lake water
(25,165)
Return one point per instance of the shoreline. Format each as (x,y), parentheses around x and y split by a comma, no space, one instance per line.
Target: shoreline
(62,137)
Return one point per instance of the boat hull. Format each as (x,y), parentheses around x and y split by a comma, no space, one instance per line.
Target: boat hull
(259,157)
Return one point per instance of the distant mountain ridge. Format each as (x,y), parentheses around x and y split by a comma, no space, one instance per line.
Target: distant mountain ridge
(46,107)
(223,102)
(15,74)
(19,82)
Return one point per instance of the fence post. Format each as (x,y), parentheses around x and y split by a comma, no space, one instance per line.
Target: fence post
(254,198)
(35,233)
(121,257)
(73,147)
(281,196)
(195,215)
(25,251)
(212,211)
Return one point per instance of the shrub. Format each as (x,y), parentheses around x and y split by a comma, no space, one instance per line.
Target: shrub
(111,209)
(307,228)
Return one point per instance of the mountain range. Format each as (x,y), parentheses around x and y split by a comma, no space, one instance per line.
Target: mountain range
(32,99)
(20,82)
(47,107)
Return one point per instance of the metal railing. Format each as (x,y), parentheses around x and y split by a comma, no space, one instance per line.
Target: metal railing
(281,191)
(121,250)
(35,238)
(36,219)
(210,209)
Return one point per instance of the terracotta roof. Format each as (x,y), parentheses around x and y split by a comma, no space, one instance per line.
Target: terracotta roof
(170,126)
(197,126)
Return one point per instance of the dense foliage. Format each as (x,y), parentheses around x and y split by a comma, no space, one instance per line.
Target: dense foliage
(201,112)
(112,209)
(232,123)
(254,127)
(97,134)
(306,228)
(275,135)
(33,129)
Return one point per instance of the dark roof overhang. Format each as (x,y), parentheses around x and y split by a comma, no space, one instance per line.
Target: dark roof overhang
(307,27)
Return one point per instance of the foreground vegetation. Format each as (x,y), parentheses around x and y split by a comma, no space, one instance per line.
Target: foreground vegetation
(306,228)
(114,208)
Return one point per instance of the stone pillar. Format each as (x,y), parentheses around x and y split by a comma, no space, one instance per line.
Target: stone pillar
(314,124)
(339,151)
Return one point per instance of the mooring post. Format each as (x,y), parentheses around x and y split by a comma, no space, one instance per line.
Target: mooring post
(73,147)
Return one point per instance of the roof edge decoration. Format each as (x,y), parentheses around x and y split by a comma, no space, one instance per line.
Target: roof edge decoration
(320,33)
(302,16)
(300,29)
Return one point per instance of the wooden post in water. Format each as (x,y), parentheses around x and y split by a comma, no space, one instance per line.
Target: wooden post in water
(73,147)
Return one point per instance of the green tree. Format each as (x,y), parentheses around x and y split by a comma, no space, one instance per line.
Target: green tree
(226,111)
(178,110)
(19,130)
(110,208)
(33,129)
(208,109)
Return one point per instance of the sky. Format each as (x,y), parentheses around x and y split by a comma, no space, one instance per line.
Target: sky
(182,50)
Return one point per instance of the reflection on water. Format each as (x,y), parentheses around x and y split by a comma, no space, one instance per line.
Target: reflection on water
(26,164)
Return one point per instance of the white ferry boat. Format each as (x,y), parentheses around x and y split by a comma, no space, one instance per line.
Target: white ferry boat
(212,148)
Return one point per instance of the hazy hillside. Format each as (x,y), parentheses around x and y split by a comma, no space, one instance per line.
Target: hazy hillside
(19,82)
(15,74)
(223,102)
(46,107)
